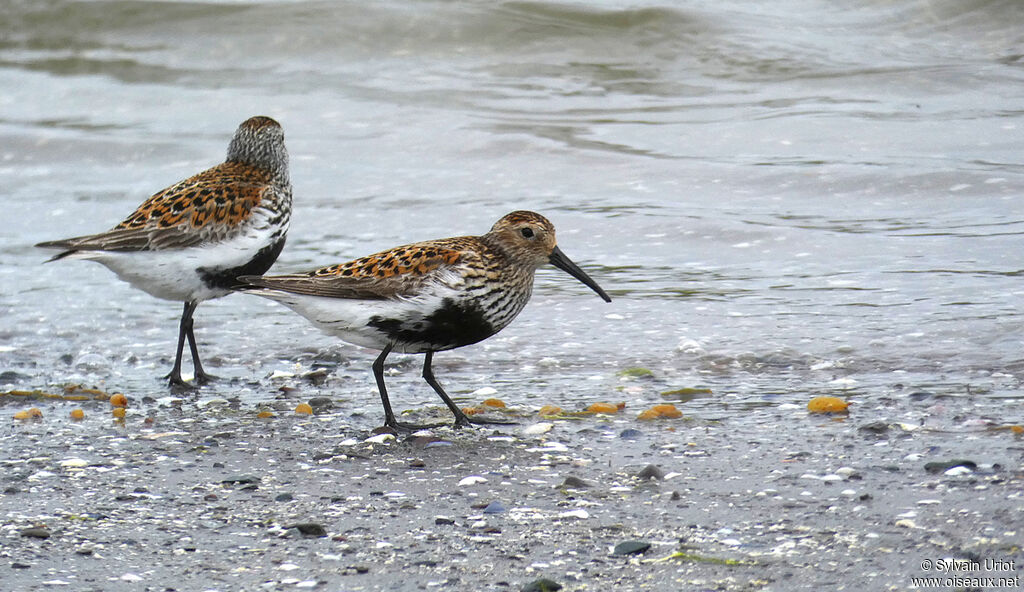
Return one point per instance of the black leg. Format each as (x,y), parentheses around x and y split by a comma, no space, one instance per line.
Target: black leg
(174,378)
(428,375)
(389,415)
(378,373)
(461,419)
(201,377)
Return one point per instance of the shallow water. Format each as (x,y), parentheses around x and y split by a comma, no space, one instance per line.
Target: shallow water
(782,198)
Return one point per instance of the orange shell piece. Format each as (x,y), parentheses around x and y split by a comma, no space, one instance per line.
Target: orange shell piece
(827,405)
(606,408)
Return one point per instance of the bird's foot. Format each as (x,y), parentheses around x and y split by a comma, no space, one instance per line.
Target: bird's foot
(178,384)
(466,421)
(401,426)
(203,379)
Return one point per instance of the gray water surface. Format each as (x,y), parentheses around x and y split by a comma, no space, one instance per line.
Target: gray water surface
(783,198)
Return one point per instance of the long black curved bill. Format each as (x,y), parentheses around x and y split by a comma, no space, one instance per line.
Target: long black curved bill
(559,260)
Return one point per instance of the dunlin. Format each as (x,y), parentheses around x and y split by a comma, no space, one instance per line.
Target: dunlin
(426,297)
(192,240)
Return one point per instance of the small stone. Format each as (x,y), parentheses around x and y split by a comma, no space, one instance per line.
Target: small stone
(538,428)
(241,480)
(11,377)
(309,529)
(959,471)
(284,497)
(920,396)
(572,482)
(630,434)
(317,378)
(542,585)
(651,472)
(494,507)
(875,427)
(472,480)
(631,548)
(380,438)
(17,565)
(36,533)
(321,403)
(943,466)
(444,521)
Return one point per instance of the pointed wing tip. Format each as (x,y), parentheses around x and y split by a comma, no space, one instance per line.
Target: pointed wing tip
(247,282)
(56,245)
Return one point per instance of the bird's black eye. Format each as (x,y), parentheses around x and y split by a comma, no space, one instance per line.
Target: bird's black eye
(527,232)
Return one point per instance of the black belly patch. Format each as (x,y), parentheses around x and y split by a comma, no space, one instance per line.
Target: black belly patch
(227,279)
(453,325)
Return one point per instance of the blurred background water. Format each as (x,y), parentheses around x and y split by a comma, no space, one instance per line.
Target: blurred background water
(783,198)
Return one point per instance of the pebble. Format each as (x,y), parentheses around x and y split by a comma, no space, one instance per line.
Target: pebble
(321,403)
(241,480)
(651,472)
(542,585)
(572,482)
(875,427)
(36,533)
(631,548)
(958,471)
(538,428)
(630,433)
(317,378)
(494,507)
(944,466)
(379,438)
(472,480)
(581,514)
(310,529)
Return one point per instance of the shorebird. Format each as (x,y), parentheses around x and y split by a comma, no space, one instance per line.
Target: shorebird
(192,240)
(426,297)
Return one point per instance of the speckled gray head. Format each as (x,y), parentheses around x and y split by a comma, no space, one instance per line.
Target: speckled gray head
(259,142)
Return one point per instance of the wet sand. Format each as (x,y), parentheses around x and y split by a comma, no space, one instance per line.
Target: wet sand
(209,497)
